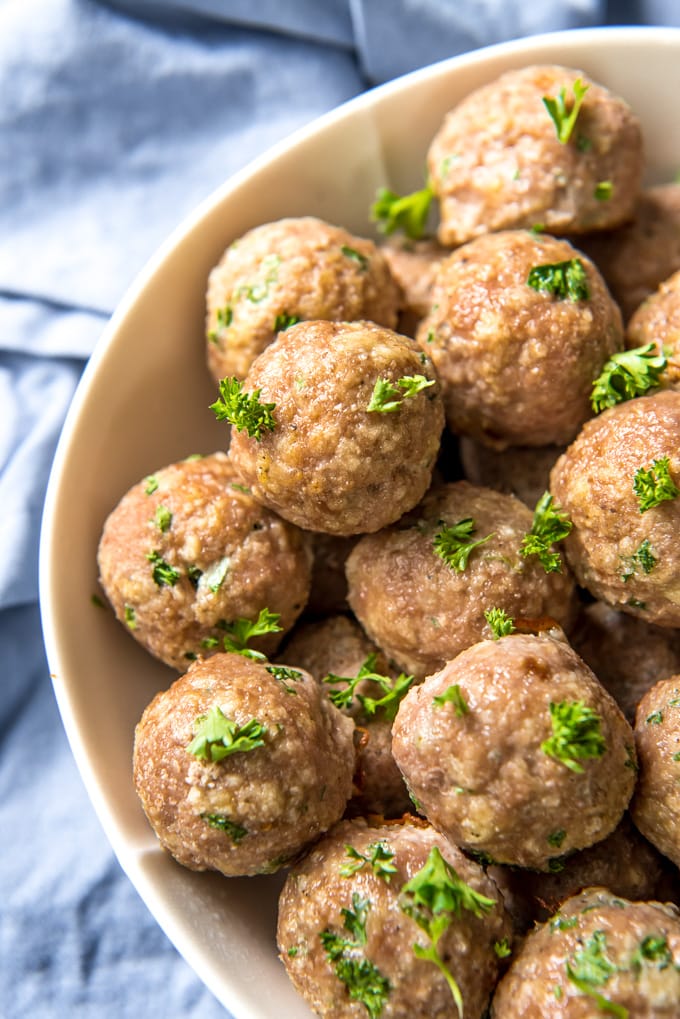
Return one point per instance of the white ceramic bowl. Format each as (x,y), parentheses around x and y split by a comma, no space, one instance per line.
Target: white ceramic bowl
(143,402)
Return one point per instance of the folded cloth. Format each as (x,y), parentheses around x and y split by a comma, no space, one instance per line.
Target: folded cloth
(115,120)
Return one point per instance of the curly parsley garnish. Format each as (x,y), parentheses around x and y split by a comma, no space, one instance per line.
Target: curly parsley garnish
(402,212)
(243,410)
(643,558)
(565,119)
(453,696)
(627,374)
(380,860)
(386,397)
(655,485)
(500,623)
(363,980)
(589,968)
(550,525)
(241,631)
(163,573)
(218,737)
(576,734)
(387,705)
(452,545)
(433,898)
(564,280)
(235,831)
(284,674)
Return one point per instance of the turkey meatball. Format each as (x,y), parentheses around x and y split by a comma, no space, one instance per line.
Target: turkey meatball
(657,321)
(498,160)
(240,765)
(515,750)
(617,483)
(656,805)
(356,422)
(522,471)
(287,271)
(414,266)
(357,919)
(188,551)
(520,326)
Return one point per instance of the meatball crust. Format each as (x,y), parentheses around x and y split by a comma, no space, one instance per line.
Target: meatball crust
(496,162)
(657,321)
(318,899)
(260,805)
(522,471)
(636,258)
(601,954)
(517,363)
(188,549)
(624,555)
(292,270)
(421,611)
(486,751)
(330,464)
(414,266)
(656,804)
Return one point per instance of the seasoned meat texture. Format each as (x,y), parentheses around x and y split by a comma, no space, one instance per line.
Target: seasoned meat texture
(626,654)
(600,955)
(288,271)
(624,863)
(515,750)
(379,787)
(328,594)
(637,257)
(337,459)
(657,321)
(188,550)
(353,922)
(422,611)
(414,265)
(656,804)
(623,553)
(516,342)
(522,471)
(497,160)
(240,765)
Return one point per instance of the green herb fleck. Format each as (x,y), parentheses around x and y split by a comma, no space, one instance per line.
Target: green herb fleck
(150,484)
(285,321)
(363,980)
(402,212)
(556,838)
(163,518)
(589,968)
(655,485)
(163,573)
(236,832)
(218,737)
(97,601)
(500,623)
(292,951)
(284,676)
(240,488)
(502,948)
(604,189)
(565,119)
(627,374)
(243,410)
(564,280)
(550,526)
(576,734)
(643,557)
(356,256)
(194,573)
(453,696)
(214,575)
(387,398)
(223,319)
(451,544)
(241,631)
(380,859)
(652,949)
(387,705)
(656,718)
(257,292)
(130,617)
(563,923)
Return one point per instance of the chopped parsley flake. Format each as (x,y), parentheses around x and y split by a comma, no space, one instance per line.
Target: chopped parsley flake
(162,518)
(257,292)
(241,631)
(564,280)
(550,526)
(643,558)
(604,189)
(150,484)
(451,544)
(285,321)
(402,212)
(563,923)
(653,949)
(163,573)
(284,675)
(455,697)
(556,838)
(363,980)
(589,968)
(356,256)
(502,948)
(656,718)
(218,737)
(97,601)
(565,119)
(236,832)
(387,705)
(500,623)
(243,410)
(380,859)
(627,374)
(576,734)
(223,319)
(130,617)
(387,398)
(655,485)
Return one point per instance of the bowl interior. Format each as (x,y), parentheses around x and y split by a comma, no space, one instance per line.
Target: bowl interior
(143,403)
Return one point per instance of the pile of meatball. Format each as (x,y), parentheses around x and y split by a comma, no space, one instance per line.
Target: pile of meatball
(425,603)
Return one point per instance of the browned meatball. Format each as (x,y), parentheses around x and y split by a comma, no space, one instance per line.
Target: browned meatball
(328,593)
(656,804)
(623,547)
(514,749)
(357,419)
(414,265)
(420,607)
(520,325)
(354,918)
(240,765)
(657,321)
(287,271)
(600,955)
(188,550)
(626,654)
(497,160)
(637,257)
(522,471)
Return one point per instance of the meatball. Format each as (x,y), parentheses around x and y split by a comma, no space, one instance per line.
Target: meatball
(616,483)
(379,788)
(657,321)
(626,654)
(637,257)
(520,325)
(286,271)
(328,594)
(514,749)
(188,551)
(357,419)
(240,765)
(421,592)
(601,954)
(497,160)
(522,471)
(414,265)
(394,920)
(656,804)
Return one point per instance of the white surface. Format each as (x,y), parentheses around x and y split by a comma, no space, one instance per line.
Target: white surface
(143,403)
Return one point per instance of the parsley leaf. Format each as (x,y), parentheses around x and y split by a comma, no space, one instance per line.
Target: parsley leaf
(402,212)
(500,623)
(218,736)
(451,545)
(380,860)
(356,256)
(363,980)
(283,674)
(243,410)
(655,485)
(564,119)
(163,573)
(627,374)
(386,397)
(642,557)
(550,525)
(387,705)
(236,832)
(151,484)
(502,948)
(576,734)
(241,631)
(453,696)
(564,280)
(589,968)
(653,948)
(285,321)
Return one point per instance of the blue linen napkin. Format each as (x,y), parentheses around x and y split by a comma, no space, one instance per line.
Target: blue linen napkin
(116,119)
